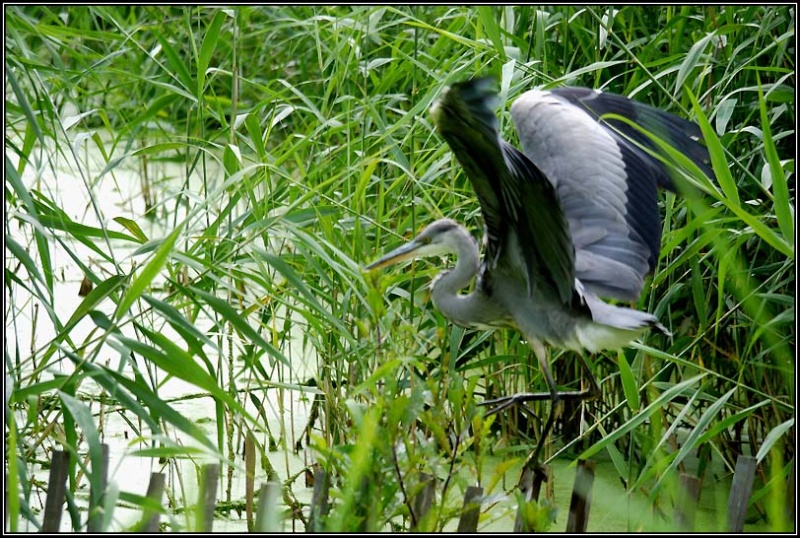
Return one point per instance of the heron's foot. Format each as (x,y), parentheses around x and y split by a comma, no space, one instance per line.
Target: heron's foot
(504,402)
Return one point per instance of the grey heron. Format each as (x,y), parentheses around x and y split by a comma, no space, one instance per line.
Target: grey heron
(570,219)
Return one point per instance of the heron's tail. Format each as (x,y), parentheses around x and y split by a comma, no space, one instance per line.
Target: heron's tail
(613,327)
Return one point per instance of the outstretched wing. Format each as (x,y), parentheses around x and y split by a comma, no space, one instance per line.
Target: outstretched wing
(514,195)
(682,134)
(605,181)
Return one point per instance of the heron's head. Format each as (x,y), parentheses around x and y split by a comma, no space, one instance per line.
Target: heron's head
(436,239)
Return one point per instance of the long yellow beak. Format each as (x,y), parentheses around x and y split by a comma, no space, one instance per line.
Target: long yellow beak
(401,253)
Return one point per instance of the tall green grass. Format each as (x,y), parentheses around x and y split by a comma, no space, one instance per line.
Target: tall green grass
(306,150)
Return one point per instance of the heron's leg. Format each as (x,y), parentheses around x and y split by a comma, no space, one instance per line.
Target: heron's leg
(541,356)
(590,393)
(553,396)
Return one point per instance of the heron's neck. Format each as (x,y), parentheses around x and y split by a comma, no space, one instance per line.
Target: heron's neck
(446,286)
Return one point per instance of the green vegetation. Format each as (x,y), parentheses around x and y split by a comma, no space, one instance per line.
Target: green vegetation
(306,150)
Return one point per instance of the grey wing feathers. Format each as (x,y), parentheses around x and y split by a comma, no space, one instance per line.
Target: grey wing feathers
(682,134)
(607,185)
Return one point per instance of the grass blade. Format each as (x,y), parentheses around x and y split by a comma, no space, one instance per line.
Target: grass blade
(150,271)
(780,190)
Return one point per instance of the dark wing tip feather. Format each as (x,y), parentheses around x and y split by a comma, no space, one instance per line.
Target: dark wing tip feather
(465,101)
(464,117)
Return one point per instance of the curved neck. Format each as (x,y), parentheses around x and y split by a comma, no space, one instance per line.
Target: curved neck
(446,286)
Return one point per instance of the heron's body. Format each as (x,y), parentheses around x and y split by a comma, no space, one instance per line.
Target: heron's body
(570,219)
(586,324)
